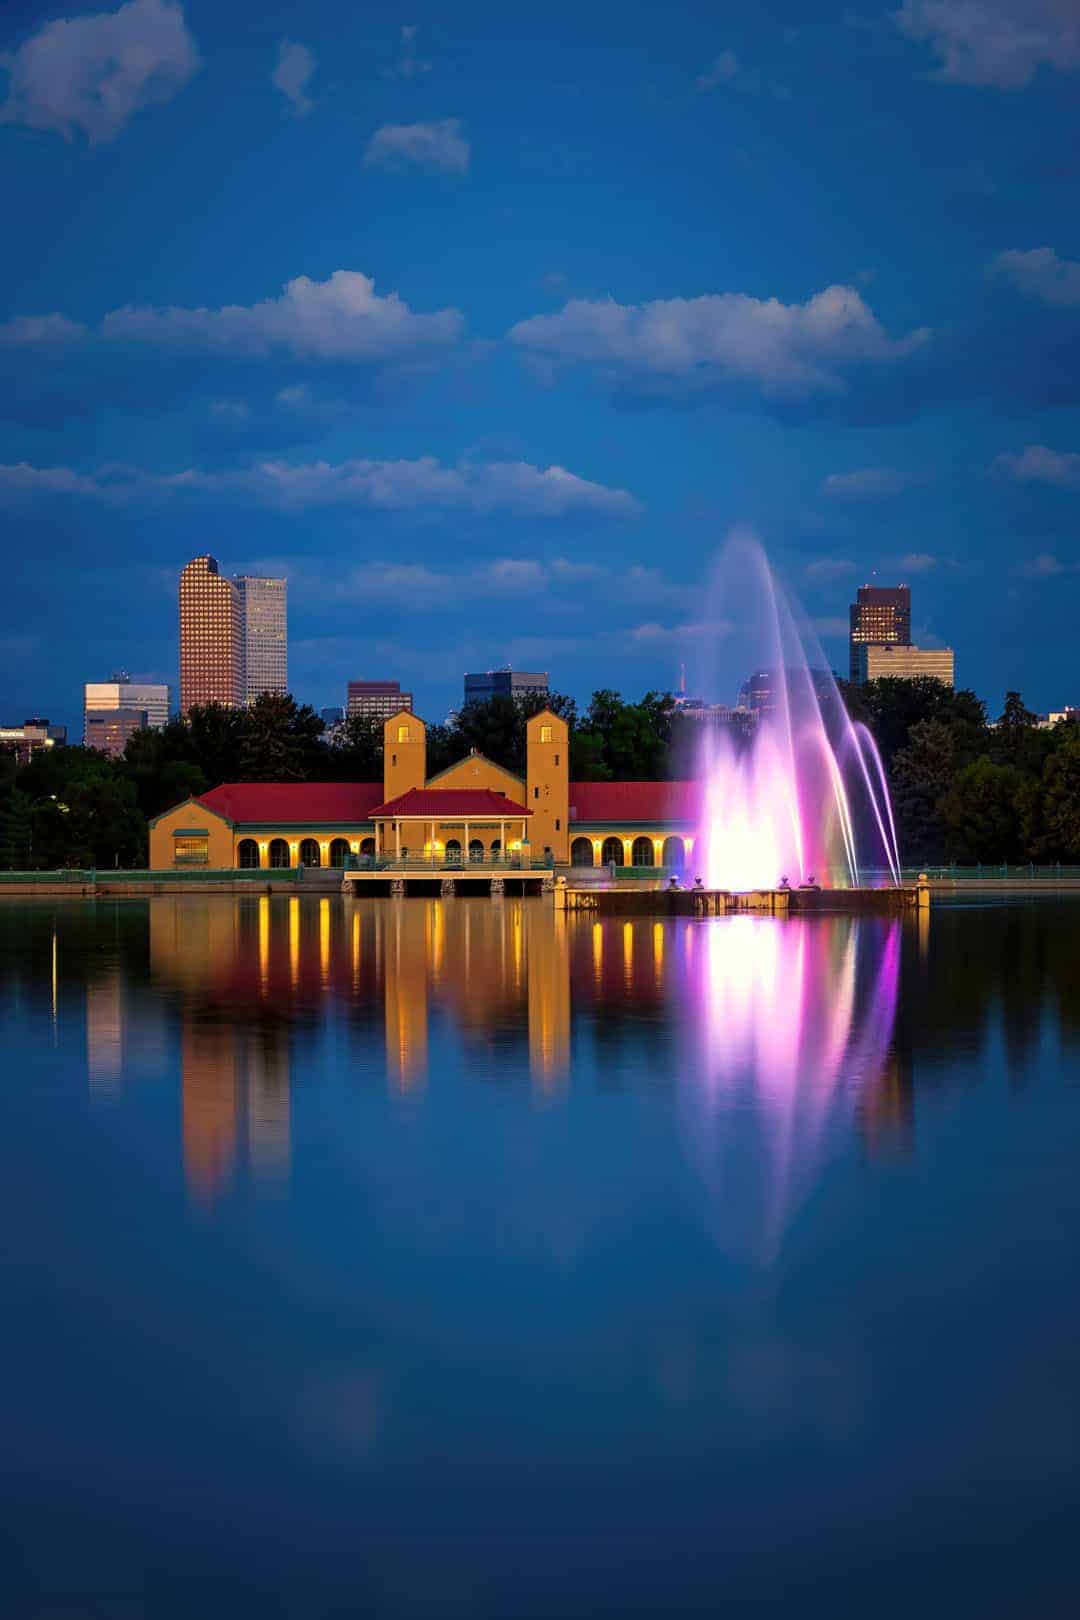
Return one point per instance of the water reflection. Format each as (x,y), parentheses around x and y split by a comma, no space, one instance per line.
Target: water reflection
(793,1038)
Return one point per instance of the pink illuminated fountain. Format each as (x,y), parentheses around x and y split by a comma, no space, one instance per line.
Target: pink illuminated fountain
(803,797)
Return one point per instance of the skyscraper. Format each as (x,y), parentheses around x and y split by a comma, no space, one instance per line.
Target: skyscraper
(211,637)
(481,688)
(880,616)
(906,663)
(376,700)
(263,617)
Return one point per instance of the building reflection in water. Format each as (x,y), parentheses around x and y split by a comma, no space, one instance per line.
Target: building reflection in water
(788,1035)
(789,1021)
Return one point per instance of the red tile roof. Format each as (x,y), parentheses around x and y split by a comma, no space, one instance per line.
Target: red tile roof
(634,801)
(294,803)
(451,804)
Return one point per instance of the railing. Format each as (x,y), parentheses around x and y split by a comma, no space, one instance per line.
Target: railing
(168,874)
(441,863)
(1049,873)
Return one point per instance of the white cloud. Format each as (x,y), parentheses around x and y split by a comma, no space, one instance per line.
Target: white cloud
(1044,566)
(439,146)
(995,42)
(1038,465)
(786,350)
(93,73)
(917,562)
(829,568)
(724,68)
(292,75)
(867,484)
(424,486)
(30,331)
(516,574)
(694,630)
(409,65)
(342,318)
(1042,274)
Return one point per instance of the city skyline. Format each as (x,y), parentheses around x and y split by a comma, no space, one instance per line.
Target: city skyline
(528,446)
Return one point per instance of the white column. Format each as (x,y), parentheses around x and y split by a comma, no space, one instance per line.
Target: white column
(432,843)
(397,829)
(502,840)
(466,849)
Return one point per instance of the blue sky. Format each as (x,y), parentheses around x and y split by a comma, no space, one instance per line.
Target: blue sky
(487,329)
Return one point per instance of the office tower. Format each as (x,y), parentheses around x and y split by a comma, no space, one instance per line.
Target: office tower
(211,637)
(875,663)
(108,730)
(482,687)
(32,737)
(263,620)
(377,700)
(881,616)
(121,697)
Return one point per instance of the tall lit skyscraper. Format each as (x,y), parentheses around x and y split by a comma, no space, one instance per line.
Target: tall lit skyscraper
(880,616)
(211,637)
(263,614)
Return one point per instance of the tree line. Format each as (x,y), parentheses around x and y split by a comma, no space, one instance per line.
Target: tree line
(963,789)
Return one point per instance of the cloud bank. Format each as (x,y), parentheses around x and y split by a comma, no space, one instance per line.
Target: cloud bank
(995,42)
(292,75)
(440,146)
(422,486)
(1043,275)
(786,351)
(94,73)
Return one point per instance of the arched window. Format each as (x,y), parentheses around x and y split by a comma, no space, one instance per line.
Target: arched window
(674,853)
(642,853)
(476,850)
(496,849)
(279,852)
(581,852)
(247,853)
(339,851)
(453,852)
(612,851)
(367,846)
(309,852)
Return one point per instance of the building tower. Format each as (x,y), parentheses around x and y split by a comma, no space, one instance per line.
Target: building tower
(880,616)
(265,639)
(211,637)
(404,753)
(547,776)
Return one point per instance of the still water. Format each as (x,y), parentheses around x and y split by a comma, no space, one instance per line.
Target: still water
(405,1258)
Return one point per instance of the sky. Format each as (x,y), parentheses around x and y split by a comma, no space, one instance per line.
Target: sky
(487,328)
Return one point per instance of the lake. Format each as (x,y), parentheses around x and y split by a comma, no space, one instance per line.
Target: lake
(458,1258)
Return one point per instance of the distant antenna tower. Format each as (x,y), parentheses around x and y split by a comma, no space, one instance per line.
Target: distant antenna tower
(682,679)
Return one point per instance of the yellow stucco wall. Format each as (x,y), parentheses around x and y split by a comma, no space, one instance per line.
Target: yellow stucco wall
(477,771)
(416,835)
(404,754)
(548,783)
(195,815)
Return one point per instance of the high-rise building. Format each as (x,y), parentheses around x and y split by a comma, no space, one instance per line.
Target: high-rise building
(32,737)
(263,620)
(507,682)
(377,700)
(121,697)
(880,616)
(875,663)
(211,637)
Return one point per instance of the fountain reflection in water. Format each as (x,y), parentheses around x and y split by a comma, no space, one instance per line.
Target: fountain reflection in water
(804,796)
(791,1040)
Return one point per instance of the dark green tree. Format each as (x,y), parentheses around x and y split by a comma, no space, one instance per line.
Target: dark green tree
(280,741)
(1059,829)
(984,812)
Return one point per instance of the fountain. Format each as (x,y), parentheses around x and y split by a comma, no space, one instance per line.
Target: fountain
(802,797)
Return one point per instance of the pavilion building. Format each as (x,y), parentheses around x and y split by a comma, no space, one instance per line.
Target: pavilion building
(472,811)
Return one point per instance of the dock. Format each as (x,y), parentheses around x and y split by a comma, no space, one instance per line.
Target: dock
(694,902)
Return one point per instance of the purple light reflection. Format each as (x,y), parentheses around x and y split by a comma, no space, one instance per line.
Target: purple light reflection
(789,1048)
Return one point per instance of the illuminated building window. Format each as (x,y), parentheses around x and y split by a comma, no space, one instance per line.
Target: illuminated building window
(545,733)
(191,851)
(403,733)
